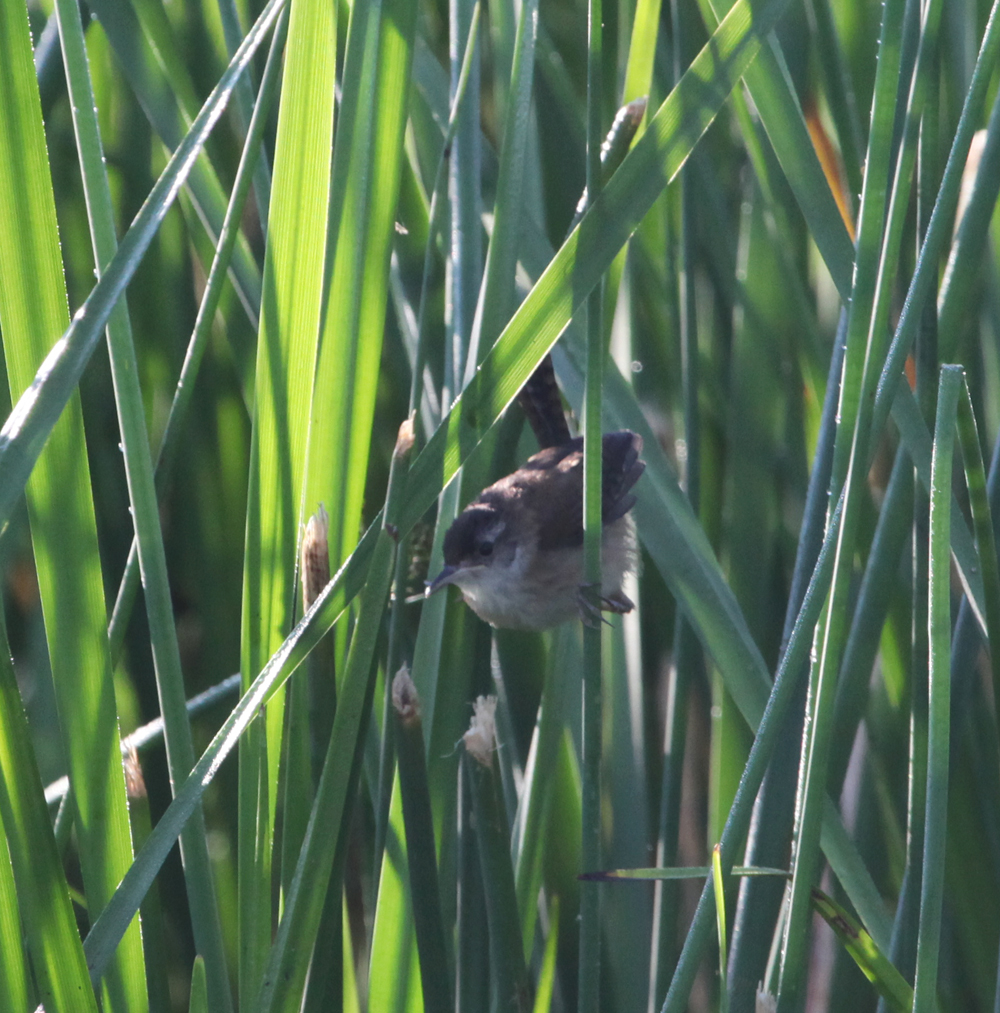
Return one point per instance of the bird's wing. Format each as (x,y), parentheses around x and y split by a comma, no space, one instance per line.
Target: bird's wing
(621,470)
(558,501)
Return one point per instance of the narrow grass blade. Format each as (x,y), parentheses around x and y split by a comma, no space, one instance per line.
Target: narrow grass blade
(853,874)
(591,724)
(53,941)
(642,50)
(183,395)
(892,532)
(394,971)
(874,964)
(465,162)
(309,711)
(436,973)
(345,585)
(688,661)
(284,978)
(198,1000)
(152,732)
(683,872)
(233,33)
(509,973)
(547,974)
(286,352)
(917,440)
(427,651)
(151,911)
(673,132)
(36,412)
(589,250)
(533,804)
(877,251)
(938,230)
(970,239)
(839,90)
(13,962)
(768,82)
(938,745)
(423,350)
(144,508)
(496,298)
(155,71)
(33,311)
(718,885)
(795,655)
(975,480)
(747,678)
(364,190)
(759,905)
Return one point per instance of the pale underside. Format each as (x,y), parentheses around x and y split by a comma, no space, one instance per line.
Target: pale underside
(536,593)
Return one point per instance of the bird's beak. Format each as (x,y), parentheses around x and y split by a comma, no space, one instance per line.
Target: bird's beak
(446,576)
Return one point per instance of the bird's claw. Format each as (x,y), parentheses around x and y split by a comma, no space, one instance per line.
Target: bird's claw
(590,603)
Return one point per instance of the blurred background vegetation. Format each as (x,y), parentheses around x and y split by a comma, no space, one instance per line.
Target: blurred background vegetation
(397,216)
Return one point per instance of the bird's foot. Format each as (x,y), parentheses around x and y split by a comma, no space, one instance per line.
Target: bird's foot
(590,603)
(618,602)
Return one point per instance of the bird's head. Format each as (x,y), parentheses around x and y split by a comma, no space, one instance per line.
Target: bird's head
(477,543)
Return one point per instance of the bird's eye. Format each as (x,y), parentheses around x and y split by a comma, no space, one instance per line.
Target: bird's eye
(485,548)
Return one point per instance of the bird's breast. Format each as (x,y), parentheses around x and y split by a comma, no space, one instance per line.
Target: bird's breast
(539,590)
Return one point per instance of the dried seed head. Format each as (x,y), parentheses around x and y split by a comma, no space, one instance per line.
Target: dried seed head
(766,1003)
(969,174)
(480,739)
(405,439)
(627,120)
(421,543)
(405,698)
(135,783)
(315,556)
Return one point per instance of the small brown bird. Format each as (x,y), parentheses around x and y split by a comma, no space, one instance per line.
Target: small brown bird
(516,551)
